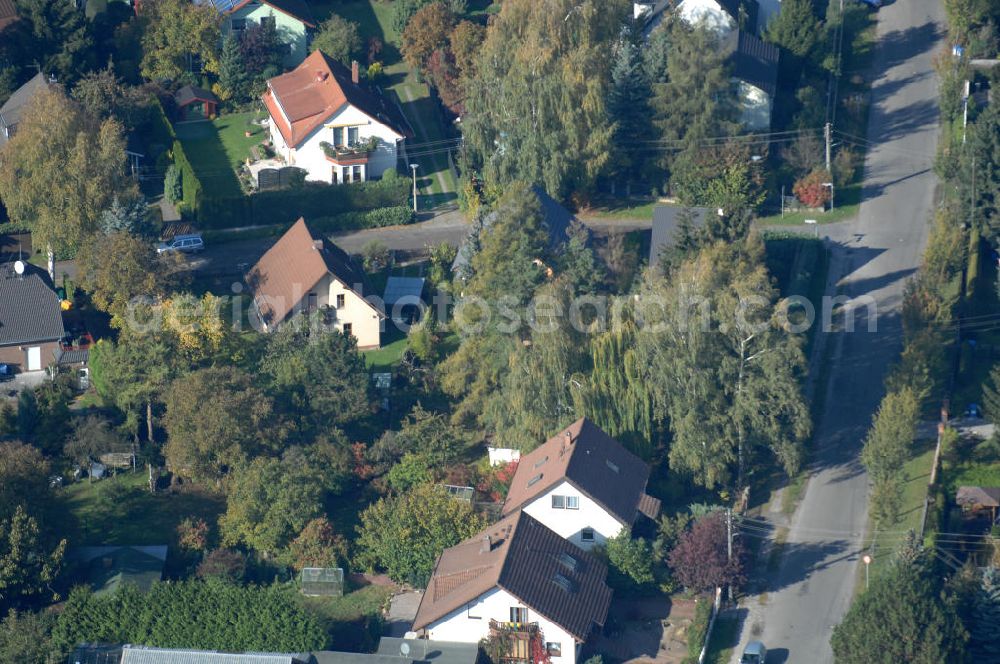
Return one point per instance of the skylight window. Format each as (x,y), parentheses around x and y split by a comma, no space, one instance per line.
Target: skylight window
(564,583)
(535,480)
(541,461)
(612,465)
(568,561)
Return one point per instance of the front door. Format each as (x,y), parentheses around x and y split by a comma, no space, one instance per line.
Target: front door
(34,358)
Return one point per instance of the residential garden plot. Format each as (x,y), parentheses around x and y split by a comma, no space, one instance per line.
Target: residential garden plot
(216,149)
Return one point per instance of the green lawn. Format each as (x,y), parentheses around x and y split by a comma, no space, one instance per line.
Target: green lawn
(917,472)
(216,149)
(356,604)
(120,510)
(389,355)
(622,211)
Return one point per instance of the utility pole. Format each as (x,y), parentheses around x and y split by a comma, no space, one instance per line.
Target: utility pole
(729,546)
(414,168)
(828,135)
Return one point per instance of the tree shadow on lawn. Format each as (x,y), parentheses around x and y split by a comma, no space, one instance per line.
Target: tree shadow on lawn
(208,156)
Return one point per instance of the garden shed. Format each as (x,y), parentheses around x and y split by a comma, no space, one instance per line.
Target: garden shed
(194,103)
(979,499)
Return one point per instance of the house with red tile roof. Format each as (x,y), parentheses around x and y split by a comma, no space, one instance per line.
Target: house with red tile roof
(583,484)
(303,273)
(327,121)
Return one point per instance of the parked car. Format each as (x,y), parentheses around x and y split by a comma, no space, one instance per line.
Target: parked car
(6,372)
(189,244)
(974,411)
(754,653)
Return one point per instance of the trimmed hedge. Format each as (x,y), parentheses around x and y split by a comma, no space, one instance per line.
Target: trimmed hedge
(377,218)
(311,201)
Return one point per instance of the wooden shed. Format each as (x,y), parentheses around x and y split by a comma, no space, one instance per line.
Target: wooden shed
(194,103)
(978,499)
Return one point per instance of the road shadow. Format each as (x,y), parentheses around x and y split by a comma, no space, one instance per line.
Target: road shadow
(899,46)
(800,560)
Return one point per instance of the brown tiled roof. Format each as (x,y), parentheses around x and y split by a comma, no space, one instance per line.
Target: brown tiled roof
(8,13)
(296,263)
(550,575)
(986,496)
(593,462)
(303,99)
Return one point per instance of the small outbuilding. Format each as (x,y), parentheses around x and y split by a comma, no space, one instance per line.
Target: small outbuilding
(194,103)
(979,499)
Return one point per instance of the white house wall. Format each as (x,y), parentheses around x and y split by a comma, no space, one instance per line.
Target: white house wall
(471,623)
(366,324)
(310,155)
(755,107)
(709,11)
(569,524)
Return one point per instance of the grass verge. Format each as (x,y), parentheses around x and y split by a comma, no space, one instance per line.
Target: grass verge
(725,639)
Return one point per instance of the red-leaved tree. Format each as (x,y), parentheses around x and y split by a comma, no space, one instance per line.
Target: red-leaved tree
(700,559)
(810,190)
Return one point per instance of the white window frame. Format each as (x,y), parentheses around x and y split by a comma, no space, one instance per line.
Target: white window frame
(572,502)
(553,648)
(558,502)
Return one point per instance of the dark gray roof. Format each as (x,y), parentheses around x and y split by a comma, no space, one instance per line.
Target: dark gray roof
(29,307)
(14,107)
(190,93)
(557,220)
(424,651)
(407,289)
(590,459)
(666,221)
(331,657)
(67,357)
(144,655)
(752,60)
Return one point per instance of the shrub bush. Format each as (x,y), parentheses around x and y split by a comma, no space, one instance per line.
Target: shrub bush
(698,632)
(377,218)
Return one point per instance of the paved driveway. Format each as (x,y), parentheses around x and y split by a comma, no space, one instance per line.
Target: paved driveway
(871,256)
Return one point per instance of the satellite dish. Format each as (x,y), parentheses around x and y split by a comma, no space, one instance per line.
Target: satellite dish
(404,649)
(19,267)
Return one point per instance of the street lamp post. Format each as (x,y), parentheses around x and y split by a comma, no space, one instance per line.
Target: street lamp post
(413,167)
(867,560)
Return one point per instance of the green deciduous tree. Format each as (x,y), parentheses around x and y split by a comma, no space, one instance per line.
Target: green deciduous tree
(317,374)
(28,563)
(722,366)
(537,107)
(116,269)
(92,436)
(887,449)
(405,534)
(318,545)
(24,474)
(56,136)
(177,31)
(905,616)
(216,418)
(269,502)
(338,38)
(630,562)
(24,638)
(104,95)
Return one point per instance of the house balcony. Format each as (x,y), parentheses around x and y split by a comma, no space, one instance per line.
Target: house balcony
(349,155)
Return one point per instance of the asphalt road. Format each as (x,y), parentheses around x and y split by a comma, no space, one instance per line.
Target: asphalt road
(872,256)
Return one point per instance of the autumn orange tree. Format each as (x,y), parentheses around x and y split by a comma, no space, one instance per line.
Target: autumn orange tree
(812,190)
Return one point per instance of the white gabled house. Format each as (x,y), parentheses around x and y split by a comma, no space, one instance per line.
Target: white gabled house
(325,121)
(583,484)
(519,578)
(302,274)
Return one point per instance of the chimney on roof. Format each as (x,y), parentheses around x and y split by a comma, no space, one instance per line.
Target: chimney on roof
(355,75)
(320,76)
(318,245)
(567,441)
(487,544)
